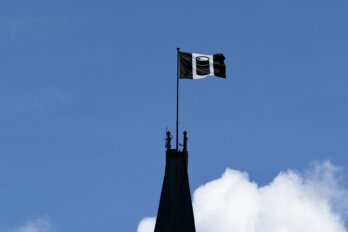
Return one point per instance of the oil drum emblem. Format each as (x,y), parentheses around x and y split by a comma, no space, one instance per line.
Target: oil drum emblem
(202,65)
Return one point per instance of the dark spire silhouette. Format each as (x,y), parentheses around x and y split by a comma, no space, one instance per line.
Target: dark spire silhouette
(175,212)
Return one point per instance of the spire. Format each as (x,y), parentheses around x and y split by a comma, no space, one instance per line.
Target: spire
(175,212)
(185,140)
(168,140)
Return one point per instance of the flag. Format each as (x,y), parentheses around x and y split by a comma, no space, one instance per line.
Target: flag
(197,66)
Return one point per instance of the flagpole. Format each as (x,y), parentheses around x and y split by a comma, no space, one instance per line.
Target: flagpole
(177,100)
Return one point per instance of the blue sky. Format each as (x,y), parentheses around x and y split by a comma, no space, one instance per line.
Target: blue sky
(87,90)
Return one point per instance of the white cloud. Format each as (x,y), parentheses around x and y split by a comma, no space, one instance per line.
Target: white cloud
(147,224)
(38,225)
(312,201)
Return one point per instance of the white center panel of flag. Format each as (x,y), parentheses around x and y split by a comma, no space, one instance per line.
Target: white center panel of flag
(202,66)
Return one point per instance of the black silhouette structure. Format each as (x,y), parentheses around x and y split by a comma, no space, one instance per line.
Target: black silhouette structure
(175,212)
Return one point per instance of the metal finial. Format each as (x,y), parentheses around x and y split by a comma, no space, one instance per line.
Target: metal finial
(168,140)
(185,140)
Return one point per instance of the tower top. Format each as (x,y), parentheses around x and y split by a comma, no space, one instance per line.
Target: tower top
(175,211)
(169,140)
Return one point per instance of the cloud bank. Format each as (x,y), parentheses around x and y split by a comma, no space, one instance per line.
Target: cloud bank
(309,201)
(38,225)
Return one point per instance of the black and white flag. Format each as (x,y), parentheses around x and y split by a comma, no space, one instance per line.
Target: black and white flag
(197,66)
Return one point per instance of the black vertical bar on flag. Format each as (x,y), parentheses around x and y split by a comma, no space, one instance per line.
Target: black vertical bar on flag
(177,100)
